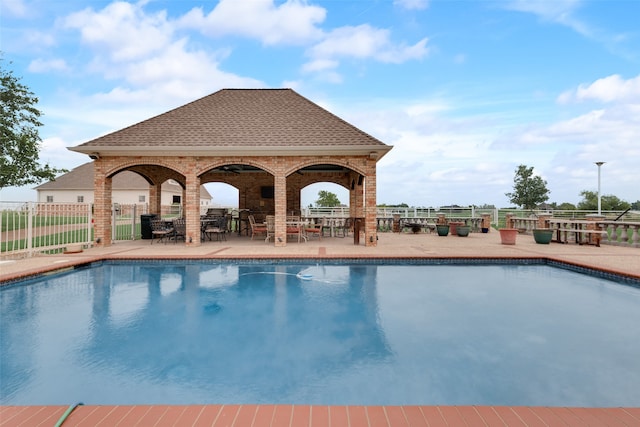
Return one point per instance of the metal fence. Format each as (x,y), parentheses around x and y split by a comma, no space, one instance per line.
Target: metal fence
(127,222)
(27,228)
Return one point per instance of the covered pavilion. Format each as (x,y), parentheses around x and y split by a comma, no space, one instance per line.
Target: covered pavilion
(267,143)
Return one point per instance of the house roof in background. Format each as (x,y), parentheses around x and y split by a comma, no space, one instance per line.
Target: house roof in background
(81,178)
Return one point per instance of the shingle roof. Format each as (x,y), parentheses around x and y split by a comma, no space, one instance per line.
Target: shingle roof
(240,118)
(81,178)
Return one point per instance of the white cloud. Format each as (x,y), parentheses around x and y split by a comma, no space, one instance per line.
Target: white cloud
(608,89)
(562,12)
(412,4)
(175,74)
(321,64)
(293,22)
(54,152)
(122,30)
(365,42)
(140,52)
(557,10)
(15,8)
(43,66)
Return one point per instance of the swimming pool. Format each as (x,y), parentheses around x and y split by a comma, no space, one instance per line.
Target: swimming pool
(308,333)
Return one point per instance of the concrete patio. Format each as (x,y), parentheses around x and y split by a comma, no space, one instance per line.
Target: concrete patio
(614,259)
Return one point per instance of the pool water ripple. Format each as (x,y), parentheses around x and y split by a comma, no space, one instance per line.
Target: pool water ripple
(362,334)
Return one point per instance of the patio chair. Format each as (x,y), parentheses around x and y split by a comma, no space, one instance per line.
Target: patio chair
(344,229)
(314,229)
(160,229)
(217,227)
(180,229)
(295,227)
(243,222)
(257,228)
(271,227)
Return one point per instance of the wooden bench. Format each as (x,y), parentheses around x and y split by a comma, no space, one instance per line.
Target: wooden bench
(580,234)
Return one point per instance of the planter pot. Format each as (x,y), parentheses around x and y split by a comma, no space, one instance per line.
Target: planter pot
(454,225)
(442,230)
(543,236)
(463,230)
(508,236)
(485,229)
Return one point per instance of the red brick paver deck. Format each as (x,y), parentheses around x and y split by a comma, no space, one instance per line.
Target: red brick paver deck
(317,416)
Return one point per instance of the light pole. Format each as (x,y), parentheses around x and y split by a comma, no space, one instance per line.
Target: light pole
(599,195)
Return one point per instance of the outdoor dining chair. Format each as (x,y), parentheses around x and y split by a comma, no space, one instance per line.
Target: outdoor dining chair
(314,229)
(257,228)
(161,230)
(180,229)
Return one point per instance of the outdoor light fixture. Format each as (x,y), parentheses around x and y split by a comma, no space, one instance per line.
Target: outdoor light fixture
(599,195)
(94,156)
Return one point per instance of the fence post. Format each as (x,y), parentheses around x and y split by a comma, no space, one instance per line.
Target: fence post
(30,229)
(486,221)
(133,222)
(509,221)
(543,220)
(89,225)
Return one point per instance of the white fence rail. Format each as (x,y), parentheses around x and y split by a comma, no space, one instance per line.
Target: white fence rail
(28,228)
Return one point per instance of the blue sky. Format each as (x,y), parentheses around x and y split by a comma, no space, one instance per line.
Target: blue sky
(464,91)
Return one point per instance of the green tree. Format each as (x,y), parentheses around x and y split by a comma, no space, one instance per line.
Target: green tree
(401,205)
(528,190)
(327,199)
(19,138)
(566,206)
(608,202)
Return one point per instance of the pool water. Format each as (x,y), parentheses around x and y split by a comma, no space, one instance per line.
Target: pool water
(294,333)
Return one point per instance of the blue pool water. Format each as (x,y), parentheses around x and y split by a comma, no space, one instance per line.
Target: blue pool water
(210,332)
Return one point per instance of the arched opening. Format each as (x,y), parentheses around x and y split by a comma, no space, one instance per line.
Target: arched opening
(223,195)
(253,187)
(310,193)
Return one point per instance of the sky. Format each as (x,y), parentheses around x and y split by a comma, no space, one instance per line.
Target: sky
(464,91)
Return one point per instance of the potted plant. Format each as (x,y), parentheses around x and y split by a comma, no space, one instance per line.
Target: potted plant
(463,230)
(442,229)
(508,235)
(454,225)
(543,235)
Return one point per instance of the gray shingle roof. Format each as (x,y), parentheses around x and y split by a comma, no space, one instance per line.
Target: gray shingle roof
(81,178)
(241,118)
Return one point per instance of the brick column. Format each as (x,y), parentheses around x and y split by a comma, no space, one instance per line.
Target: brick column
(280,199)
(593,225)
(370,207)
(192,206)
(543,221)
(359,199)
(154,199)
(352,200)
(486,221)
(101,204)
(509,221)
